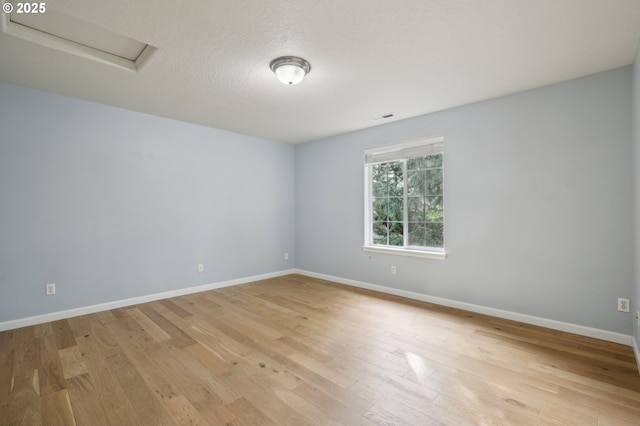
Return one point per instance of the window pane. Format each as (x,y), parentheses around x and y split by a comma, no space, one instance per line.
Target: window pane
(379,188)
(434,160)
(396,179)
(382,240)
(434,182)
(380,232)
(416,209)
(434,210)
(387,179)
(395,211)
(380,208)
(379,180)
(416,182)
(434,234)
(396,234)
(417,234)
(416,163)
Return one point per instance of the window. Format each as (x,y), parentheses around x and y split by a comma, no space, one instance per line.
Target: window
(404,210)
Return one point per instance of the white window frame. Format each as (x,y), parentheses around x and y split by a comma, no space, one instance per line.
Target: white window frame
(395,152)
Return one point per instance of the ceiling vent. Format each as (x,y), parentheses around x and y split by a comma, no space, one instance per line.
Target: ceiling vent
(384,117)
(56,30)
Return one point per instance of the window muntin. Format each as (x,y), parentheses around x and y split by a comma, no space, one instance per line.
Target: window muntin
(404,207)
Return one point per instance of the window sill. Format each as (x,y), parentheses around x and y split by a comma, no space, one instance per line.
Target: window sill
(439,255)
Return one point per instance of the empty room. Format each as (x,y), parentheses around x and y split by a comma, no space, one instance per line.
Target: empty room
(278,212)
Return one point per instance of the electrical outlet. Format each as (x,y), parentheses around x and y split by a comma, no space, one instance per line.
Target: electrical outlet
(50,289)
(623,305)
(200,267)
(393,270)
(286,256)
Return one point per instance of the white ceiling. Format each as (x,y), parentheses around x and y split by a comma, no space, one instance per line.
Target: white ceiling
(368,57)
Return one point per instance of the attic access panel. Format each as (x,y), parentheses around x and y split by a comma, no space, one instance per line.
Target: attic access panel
(40,24)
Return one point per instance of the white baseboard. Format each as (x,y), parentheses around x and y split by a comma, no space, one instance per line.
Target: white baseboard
(54,316)
(527,319)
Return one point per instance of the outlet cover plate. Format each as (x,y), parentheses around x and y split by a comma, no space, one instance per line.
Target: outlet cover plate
(50,289)
(623,305)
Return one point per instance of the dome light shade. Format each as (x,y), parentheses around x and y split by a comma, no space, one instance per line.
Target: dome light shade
(290,70)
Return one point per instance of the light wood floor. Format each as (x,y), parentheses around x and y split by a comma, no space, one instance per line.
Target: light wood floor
(296,350)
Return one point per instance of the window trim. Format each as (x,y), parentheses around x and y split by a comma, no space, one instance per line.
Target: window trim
(381,154)
(427,254)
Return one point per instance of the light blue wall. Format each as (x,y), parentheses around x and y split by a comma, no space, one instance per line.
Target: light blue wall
(111,204)
(538,203)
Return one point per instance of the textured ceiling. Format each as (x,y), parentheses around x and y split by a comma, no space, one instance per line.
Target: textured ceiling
(368,57)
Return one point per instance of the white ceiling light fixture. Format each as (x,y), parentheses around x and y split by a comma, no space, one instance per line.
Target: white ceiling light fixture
(290,70)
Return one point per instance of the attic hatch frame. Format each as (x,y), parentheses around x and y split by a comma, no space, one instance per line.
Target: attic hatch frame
(61,44)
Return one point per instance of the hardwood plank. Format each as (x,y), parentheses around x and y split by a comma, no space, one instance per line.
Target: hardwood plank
(218,340)
(26,356)
(63,334)
(343,408)
(247,414)
(149,326)
(147,407)
(300,347)
(95,348)
(261,364)
(24,406)
(98,339)
(52,379)
(41,330)
(412,411)
(85,401)
(136,348)
(189,379)
(377,389)
(305,408)
(175,308)
(509,401)
(180,338)
(261,394)
(478,412)
(72,362)
(382,417)
(573,380)
(183,413)
(323,370)
(56,409)
(221,387)
(80,326)
(209,358)
(106,316)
